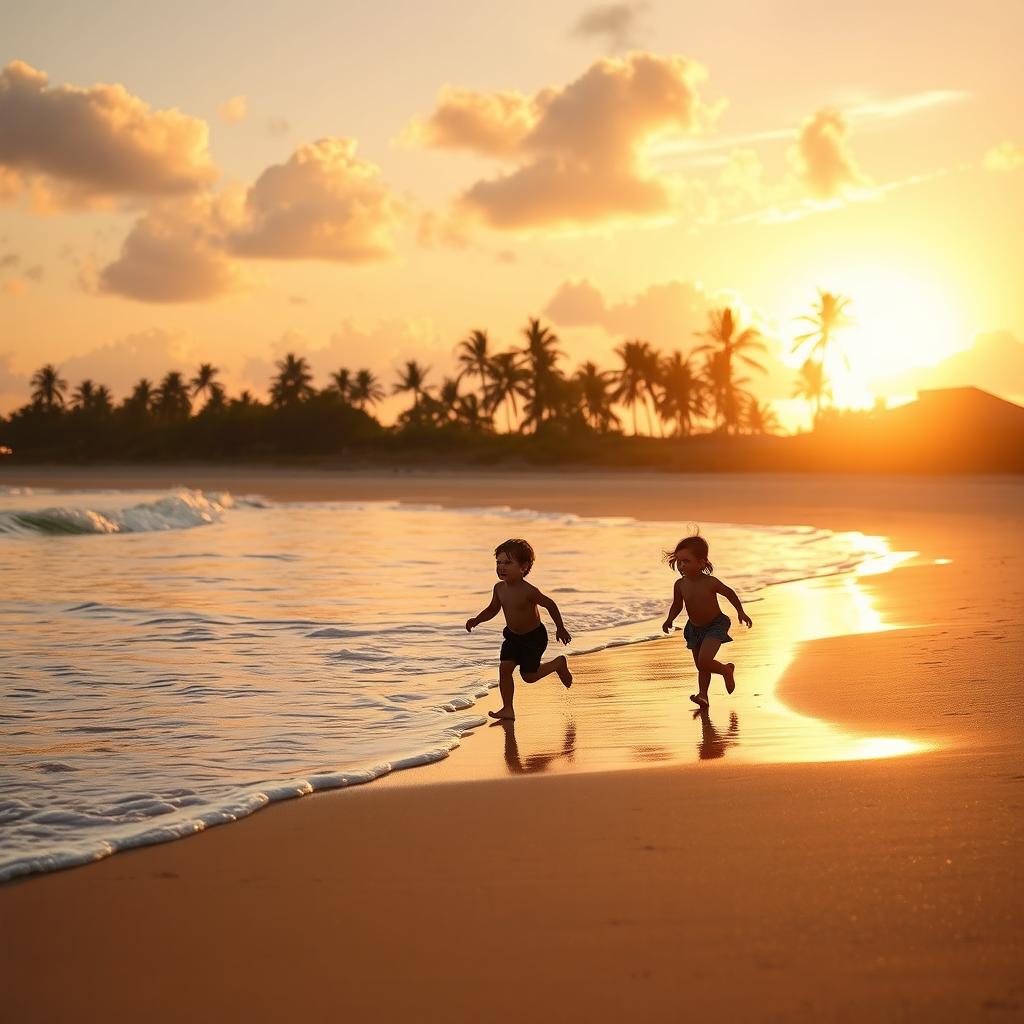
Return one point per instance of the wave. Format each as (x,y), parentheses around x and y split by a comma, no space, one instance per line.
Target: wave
(182,510)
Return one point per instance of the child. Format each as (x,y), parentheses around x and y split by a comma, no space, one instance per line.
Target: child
(525,635)
(707,628)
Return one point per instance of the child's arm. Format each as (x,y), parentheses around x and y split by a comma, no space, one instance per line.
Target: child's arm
(677,607)
(488,613)
(730,595)
(561,633)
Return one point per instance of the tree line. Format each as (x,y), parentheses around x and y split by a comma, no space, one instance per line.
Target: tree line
(525,390)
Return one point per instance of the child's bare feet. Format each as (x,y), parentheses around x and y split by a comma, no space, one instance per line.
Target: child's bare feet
(700,701)
(730,677)
(505,714)
(563,672)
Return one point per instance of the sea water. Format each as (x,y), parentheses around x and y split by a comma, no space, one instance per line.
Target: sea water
(174,660)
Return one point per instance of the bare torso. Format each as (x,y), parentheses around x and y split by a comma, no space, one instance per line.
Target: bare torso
(519,604)
(700,598)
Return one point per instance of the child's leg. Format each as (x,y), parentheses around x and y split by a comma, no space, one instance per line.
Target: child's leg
(559,665)
(726,669)
(507,689)
(705,658)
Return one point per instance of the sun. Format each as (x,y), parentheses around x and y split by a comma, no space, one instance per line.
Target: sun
(901,320)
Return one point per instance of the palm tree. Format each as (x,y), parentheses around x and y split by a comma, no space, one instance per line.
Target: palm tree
(172,397)
(365,390)
(218,397)
(48,388)
(541,356)
(726,344)
(448,397)
(760,418)
(84,396)
(650,375)
(506,380)
(812,385)
(245,400)
(341,383)
(631,375)
(828,317)
(293,383)
(597,393)
(412,379)
(471,412)
(203,382)
(102,400)
(142,397)
(474,357)
(682,392)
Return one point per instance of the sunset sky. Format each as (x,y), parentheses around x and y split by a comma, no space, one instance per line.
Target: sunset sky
(363,183)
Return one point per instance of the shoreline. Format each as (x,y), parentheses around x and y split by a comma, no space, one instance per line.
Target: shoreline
(890,887)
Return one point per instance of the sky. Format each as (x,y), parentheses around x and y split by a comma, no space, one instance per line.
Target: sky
(366,183)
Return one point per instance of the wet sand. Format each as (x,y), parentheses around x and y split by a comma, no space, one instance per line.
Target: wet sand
(612,855)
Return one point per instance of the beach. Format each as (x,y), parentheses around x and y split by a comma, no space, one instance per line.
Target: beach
(621,860)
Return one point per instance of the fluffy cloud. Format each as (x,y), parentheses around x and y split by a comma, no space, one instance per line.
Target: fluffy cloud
(233,110)
(616,23)
(1007,156)
(323,204)
(580,149)
(821,157)
(119,364)
(85,144)
(668,315)
(175,253)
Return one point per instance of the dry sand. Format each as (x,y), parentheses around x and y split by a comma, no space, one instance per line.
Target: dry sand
(595,867)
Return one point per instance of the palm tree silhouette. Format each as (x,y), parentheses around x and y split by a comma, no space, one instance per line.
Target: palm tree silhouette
(506,380)
(102,400)
(541,358)
(812,385)
(828,317)
(412,379)
(682,394)
(365,390)
(471,412)
(172,397)
(760,418)
(142,397)
(293,383)
(725,345)
(204,381)
(474,357)
(84,395)
(341,383)
(631,376)
(48,388)
(597,393)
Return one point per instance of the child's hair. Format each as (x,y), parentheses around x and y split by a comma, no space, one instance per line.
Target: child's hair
(695,543)
(519,550)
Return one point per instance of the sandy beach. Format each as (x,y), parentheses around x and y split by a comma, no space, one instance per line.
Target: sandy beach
(612,855)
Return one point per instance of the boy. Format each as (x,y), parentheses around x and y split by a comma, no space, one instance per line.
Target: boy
(525,635)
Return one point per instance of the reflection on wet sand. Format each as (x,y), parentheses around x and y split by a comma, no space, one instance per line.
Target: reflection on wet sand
(714,744)
(519,765)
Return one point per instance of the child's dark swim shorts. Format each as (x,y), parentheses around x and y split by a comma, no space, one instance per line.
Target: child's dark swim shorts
(718,627)
(525,649)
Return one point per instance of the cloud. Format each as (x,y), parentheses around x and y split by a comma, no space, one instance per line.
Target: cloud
(8,260)
(175,253)
(1007,156)
(580,150)
(667,315)
(120,363)
(233,110)
(821,157)
(35,273)
(323,204)
(278,126)
(617,23)
(79,145)
(994,362)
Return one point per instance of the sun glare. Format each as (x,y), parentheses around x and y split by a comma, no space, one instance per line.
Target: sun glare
(901,321)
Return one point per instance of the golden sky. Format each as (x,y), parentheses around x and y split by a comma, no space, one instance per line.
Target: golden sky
(368,182)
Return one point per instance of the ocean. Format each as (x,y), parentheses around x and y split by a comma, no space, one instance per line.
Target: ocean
(178,659)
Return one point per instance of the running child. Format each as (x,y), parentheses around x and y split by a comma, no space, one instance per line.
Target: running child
(707,626)
(525,635)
